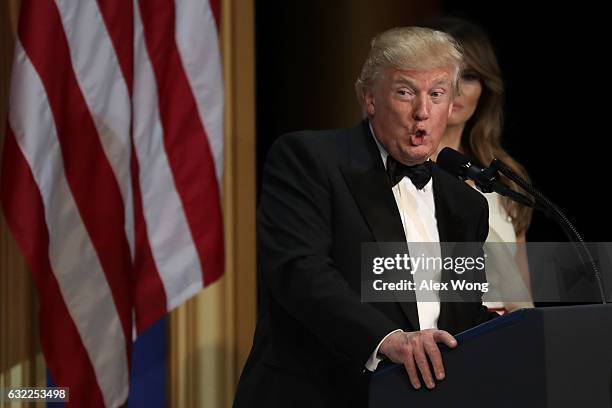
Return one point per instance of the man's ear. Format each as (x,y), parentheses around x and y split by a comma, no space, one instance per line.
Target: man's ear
(450,108)
(369,101)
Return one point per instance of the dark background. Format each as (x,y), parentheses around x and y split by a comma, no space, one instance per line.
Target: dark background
(553,63)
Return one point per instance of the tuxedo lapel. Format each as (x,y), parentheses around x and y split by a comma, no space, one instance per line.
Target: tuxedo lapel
(367,180)
(442,190)
(371,190)
(451,228)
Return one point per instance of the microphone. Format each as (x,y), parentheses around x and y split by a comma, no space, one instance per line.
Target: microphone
(486,180)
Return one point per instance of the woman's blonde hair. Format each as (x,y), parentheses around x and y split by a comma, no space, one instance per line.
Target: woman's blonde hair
(414,48)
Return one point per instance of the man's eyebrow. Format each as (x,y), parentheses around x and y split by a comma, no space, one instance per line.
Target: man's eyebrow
(442,81)
(404,81)
(408,82)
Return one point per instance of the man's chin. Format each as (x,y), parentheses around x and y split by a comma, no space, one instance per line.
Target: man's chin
(416,155)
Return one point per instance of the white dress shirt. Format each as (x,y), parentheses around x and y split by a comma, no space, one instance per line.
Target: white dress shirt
(418,213)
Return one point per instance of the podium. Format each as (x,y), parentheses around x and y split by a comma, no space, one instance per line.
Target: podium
(546,357)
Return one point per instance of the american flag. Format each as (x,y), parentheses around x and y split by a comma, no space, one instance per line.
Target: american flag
(110,174)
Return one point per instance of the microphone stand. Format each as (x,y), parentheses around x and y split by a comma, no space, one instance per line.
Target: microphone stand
(540,202)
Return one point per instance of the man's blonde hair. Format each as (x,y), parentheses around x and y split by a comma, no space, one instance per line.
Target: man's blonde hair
(414,48)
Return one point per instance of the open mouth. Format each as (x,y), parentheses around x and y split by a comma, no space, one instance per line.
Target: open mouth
(418,137)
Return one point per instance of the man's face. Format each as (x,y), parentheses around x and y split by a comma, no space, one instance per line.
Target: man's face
(409,109)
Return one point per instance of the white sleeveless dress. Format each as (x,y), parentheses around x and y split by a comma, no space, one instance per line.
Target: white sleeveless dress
(505,281)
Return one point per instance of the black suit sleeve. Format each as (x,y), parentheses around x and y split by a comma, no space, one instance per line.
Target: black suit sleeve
(294,241)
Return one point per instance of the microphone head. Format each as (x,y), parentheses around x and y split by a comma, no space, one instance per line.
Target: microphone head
(453,162)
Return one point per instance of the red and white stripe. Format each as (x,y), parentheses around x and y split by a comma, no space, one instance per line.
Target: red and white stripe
(111,172)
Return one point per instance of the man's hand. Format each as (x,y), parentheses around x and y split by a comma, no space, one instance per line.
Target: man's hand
(412,350)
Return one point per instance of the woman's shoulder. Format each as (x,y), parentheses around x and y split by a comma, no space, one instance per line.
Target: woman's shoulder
(500,223)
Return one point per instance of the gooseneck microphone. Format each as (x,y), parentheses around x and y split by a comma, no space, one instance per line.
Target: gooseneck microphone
(487,181)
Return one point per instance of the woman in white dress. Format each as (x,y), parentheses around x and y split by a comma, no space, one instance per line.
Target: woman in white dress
(474,128)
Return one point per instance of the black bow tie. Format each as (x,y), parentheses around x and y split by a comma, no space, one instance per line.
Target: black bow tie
(419,174)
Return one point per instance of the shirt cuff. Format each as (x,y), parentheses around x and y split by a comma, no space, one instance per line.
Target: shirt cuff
(373,361)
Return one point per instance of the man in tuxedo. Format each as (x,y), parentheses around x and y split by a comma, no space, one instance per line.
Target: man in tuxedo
(325,193)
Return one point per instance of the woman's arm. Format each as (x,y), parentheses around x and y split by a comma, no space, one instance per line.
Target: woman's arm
(521,259)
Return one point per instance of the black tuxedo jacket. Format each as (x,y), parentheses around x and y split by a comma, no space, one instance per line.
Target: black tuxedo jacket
(323,194)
